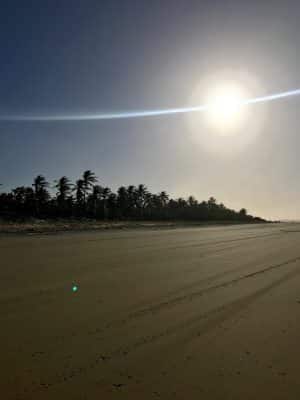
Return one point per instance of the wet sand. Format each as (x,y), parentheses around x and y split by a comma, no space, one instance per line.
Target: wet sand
(190,313)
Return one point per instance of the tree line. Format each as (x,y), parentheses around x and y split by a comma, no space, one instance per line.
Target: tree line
(87,199)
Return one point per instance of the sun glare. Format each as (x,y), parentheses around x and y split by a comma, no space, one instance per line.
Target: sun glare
(225,108)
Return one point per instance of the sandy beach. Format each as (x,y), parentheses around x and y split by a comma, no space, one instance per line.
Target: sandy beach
(187,313)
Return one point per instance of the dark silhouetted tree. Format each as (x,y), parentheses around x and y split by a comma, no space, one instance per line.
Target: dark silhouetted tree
(64,189)
(88,178)
(79,196)
(41,194)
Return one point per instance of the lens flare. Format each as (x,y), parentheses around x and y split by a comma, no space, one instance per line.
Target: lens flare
(141,113)
(74,288)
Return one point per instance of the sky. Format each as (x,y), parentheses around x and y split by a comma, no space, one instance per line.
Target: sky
(83,57)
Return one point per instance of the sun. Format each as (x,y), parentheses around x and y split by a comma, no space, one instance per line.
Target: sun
(225,110)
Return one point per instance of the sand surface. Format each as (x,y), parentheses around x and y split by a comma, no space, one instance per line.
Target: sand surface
(194,313)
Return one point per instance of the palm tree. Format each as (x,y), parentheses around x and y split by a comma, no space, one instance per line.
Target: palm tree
(192,202)
(212,202)
(88,178)
(131,193)
(132,198)
(40,183)
(212,208)
(97,191)
(96,197)
(63,186)
(141,198)
(164,198)
(41,193)
(79,192)
(181,202)
(243,212)
(122,200)
(112,204)
(148,200)
(105,195)
(24,199)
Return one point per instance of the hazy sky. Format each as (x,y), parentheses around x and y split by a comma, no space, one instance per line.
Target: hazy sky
(62,57)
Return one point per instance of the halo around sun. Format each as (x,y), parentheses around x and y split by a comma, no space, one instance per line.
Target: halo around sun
(228,125)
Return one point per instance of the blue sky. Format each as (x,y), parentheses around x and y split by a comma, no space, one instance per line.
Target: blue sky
(62,57)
